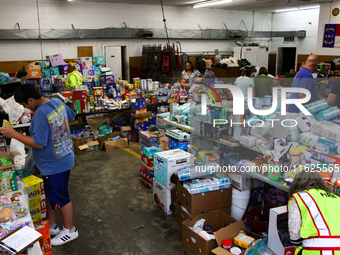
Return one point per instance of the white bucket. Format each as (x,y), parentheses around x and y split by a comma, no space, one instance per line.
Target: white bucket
(237,212)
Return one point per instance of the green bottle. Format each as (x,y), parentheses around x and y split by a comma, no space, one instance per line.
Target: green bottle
(274,172)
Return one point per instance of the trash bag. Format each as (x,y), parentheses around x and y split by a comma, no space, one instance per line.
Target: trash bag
(30,163)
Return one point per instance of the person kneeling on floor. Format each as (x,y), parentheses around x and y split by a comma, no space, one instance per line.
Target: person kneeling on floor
(52,147)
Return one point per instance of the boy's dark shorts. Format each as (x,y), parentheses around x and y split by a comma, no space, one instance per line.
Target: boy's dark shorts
(56,189)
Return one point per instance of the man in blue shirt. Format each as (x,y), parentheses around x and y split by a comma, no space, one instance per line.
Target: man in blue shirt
(51,142)
(304,79)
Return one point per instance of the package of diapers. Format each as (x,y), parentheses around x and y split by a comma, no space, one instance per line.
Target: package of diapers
(305,122)
(308,138)
(260,131)
(328,114)
(333,146)
(318,127)
(327,129)
(293,134)
(248,140)
(317,106)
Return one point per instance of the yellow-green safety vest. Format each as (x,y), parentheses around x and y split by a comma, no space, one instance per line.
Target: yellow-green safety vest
(320,230)
(74,79)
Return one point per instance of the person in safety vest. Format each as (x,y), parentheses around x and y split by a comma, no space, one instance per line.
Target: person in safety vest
(74,77)
(314,216)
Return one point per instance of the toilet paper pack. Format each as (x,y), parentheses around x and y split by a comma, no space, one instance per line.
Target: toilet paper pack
(308,138)
(305,122)
(317,106)
(328,114)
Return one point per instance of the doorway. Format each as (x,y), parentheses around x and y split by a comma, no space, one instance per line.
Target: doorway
(113,55)
(286,60)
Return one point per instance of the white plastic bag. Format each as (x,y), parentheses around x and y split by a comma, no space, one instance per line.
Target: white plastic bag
(13,109)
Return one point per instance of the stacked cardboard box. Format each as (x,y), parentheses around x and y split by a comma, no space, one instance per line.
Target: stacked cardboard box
(147,166)
(34,186)
(166,164)
(138,108)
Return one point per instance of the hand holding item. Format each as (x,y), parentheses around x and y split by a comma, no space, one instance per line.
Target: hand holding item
(8,132)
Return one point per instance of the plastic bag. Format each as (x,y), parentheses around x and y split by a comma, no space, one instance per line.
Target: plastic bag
(30,165)
(13,109)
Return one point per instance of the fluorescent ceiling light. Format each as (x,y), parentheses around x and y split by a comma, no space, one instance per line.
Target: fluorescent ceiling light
(298,9)
(209,3)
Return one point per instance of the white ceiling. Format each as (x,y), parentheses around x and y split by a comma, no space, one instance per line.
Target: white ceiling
(244,5)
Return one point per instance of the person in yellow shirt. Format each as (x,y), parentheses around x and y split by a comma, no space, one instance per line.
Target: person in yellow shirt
(74,77)
(313,215)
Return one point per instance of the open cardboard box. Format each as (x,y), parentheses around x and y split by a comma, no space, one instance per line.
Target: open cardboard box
(80,146)
(182,214)
(205,202)
(10,157)
(276,215)
(112,145)
(217,220)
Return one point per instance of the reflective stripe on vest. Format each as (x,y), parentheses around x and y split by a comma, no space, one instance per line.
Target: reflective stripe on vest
(313,209)
(321,243)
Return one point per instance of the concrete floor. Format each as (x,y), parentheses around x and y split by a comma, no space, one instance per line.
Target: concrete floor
(102,187)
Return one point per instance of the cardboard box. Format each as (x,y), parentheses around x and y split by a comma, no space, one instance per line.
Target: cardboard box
(55,59)
(86,62)
(147,161)
(274,243)
(22,173)
(217,219)
(80,146)
(10,156)
(126,131)
(98,60)
(55,71)
(149,138)
(88,74)
(43,227)
(46,73)
(34,186)
(146,175)
(240,181)
(230,231)
(8,179)
(163,198)
(199,203)
(166,164)
(112,145)
(138,104)
(34,71)
(38,209)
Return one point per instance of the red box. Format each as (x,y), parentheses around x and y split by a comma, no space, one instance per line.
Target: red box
(43,227)
(147,161)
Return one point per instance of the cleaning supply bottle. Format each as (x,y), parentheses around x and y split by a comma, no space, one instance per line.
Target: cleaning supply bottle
(274,172)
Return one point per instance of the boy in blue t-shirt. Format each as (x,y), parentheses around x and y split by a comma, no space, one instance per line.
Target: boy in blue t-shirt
(51,142)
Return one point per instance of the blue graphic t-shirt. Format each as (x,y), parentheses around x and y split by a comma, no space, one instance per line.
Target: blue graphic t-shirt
(50,128)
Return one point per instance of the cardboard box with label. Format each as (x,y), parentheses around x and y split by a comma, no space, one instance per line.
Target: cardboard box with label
(278,221)
(240,181)
(217,220)
(34,186)
(88,75)
(163,198)
(34,71)
(112,145)
(86,62)
(210,201)
(166,164)
(55,59)
(8,179)
(80,144)
(98,60)
(43,228)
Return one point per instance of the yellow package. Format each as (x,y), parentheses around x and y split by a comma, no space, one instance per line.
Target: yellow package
(243,241)
(6,124)
(35,187)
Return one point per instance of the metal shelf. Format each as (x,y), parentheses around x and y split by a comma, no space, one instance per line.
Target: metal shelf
(252,148)
(22,125)
(264,178)
(191,130)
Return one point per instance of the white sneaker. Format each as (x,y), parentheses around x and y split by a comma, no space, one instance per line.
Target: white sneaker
(55,230)
(65,236)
